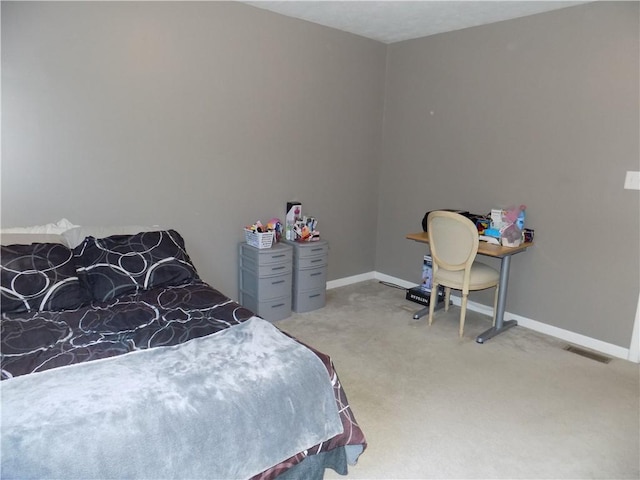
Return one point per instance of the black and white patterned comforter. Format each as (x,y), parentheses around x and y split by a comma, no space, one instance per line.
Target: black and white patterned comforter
(163,316)
(37,341)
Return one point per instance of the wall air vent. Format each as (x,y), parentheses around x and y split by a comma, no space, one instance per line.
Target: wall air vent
(588,354)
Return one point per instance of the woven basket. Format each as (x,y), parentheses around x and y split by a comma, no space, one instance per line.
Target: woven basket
(258,239)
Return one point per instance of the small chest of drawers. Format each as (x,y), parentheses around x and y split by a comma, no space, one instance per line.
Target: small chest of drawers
(265,280)
(310,260)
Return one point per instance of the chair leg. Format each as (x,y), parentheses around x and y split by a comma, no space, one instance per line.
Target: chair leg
(447,296)
(432,304)
(495,305)
(463,312)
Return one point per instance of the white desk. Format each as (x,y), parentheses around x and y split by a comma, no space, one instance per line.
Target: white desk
(504,254)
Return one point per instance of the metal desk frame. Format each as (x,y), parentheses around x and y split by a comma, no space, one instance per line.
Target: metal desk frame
(504,254)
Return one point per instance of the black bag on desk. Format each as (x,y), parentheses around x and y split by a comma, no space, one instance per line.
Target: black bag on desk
(461,212)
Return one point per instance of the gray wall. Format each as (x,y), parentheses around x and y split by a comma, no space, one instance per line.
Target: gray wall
(202,116)
(541,111)
(205,116)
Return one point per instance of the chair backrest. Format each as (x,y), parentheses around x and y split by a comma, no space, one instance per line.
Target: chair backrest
(453,240)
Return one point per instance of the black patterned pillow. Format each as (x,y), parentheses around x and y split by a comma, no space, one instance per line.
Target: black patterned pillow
(40,276)
(121,264)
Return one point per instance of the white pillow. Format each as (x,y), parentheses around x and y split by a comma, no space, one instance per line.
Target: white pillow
(74,236)
(54,228)
(29,238)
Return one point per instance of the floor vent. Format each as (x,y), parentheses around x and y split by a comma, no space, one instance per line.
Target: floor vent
(588,354)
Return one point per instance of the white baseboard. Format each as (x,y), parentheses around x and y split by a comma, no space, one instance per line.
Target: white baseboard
(566,335)
(559,333)
(343,282)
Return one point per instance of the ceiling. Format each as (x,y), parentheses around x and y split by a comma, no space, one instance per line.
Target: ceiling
(397,20)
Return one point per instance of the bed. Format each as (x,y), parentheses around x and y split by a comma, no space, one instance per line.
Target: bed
(118,361)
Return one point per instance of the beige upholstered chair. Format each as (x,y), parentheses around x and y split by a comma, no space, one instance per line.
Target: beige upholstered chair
(453,241)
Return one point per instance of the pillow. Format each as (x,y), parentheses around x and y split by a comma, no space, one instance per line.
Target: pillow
(75,236)
(58,227)
(40,276)
(122,264)
(29,238)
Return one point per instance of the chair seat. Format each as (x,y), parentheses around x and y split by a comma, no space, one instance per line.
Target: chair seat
(482,276)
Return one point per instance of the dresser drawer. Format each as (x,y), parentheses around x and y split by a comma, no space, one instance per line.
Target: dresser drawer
(279,253)
(263,288)
(271,310)
(310,300)
(310,278)
(267,270)
(312,249)
(310,262)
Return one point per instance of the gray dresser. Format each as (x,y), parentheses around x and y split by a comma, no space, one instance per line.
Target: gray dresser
(265,280)
(310,260)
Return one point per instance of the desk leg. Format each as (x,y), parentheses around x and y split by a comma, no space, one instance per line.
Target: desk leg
(501,325)
(425,311)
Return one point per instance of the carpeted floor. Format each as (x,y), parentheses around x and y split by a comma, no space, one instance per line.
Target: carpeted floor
(436,406)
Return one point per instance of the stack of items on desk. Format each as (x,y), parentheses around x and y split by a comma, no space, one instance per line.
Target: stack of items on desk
(505,227)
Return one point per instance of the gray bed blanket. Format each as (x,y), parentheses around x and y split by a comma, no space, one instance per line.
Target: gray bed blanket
(225,406)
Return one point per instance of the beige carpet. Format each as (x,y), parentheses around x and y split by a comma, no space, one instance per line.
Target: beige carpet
(436,406)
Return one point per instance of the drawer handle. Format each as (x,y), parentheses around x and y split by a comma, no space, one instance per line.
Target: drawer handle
(316,295)
(317,249)
(277,282)
(315,274)
(277,305)
(317,260)
(278,268)
(278,256)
